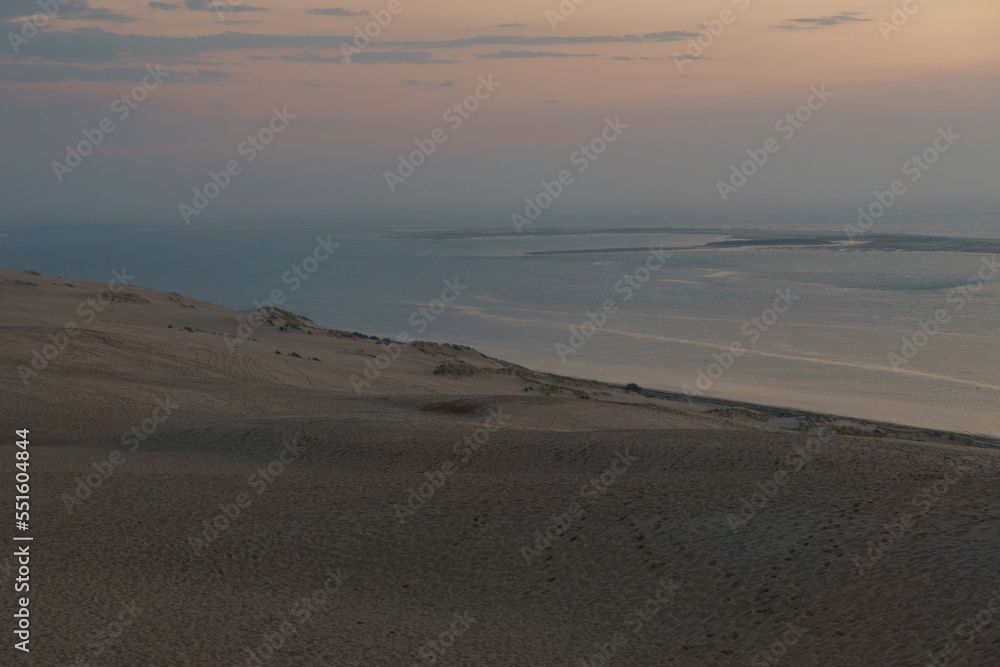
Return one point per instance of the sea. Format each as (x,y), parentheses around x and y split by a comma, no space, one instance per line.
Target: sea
(903,337)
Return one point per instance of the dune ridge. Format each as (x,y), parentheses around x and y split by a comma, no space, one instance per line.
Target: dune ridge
(461,508)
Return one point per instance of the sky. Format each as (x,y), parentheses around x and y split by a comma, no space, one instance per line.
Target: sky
(645,108)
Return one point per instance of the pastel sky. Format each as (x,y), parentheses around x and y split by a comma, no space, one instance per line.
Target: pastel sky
(690,119)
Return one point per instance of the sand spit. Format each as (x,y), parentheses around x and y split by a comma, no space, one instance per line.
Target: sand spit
(852,238)
(199,502)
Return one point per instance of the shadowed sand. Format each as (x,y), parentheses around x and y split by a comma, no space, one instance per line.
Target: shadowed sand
(457,507)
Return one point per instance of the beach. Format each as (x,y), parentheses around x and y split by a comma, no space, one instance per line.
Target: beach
(240,488)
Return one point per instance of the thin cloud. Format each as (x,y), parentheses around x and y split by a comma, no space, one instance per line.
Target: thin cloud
(102,14)
(534,54)
(549,40)
(49,73)
(208,75)
(336,11)
(96,46)
(213,5)
(670,36)
(308,57)
(79,10)
(415,57)
(821,21)
(427,85)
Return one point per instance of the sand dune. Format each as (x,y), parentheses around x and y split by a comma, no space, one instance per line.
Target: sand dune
(202,502)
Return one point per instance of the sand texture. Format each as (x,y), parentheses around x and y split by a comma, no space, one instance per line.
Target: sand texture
(455,510)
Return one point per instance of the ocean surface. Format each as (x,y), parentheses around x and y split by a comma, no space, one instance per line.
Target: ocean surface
(828,349)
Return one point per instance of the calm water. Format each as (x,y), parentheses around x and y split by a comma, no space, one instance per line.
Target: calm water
(826,352)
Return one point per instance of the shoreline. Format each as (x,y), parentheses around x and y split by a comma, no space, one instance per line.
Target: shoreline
(450,480)
(783,417)
(764,413)
(735,239)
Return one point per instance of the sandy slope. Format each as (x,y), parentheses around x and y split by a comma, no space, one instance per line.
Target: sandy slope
(640,562)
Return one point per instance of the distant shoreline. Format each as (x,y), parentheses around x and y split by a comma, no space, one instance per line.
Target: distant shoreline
(843,425)
(738,407)
(734,239)
(875,427)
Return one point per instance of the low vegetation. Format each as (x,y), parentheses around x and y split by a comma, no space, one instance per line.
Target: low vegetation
(462,369)
(735,413)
